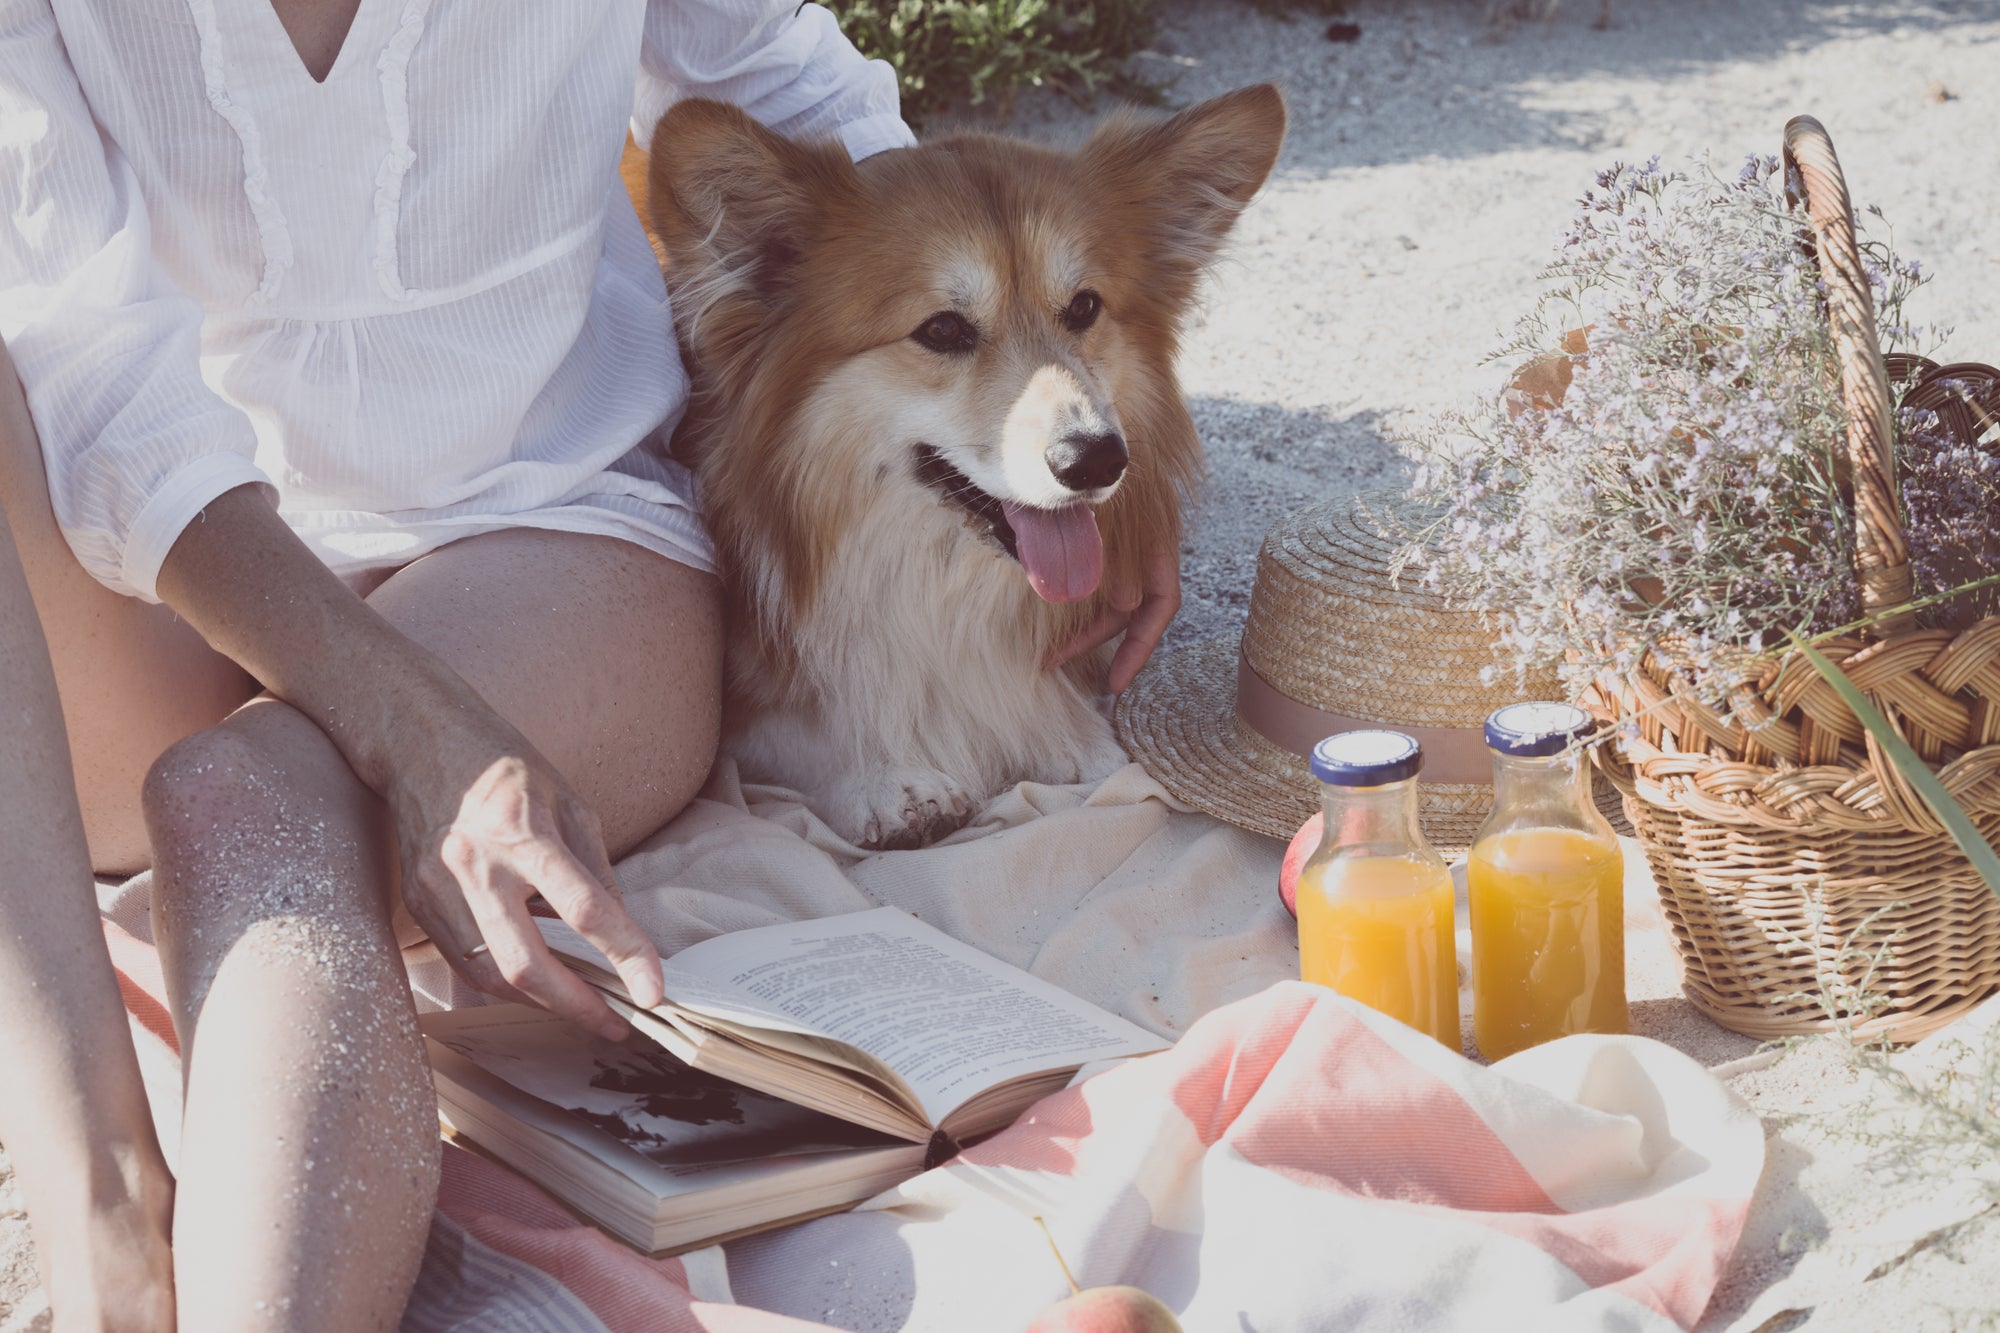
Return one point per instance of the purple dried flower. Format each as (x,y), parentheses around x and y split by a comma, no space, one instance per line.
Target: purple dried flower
(1685,487)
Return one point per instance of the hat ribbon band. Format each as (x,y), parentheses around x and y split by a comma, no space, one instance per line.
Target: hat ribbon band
(1455,755)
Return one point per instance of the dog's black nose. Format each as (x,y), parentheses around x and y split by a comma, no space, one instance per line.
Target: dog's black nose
(1086,462)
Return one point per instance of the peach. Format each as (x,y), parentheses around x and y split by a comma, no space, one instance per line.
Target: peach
(1303,844)
(1107,1310)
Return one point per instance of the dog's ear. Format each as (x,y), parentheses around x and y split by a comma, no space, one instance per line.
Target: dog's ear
(1191,174)
(733,203)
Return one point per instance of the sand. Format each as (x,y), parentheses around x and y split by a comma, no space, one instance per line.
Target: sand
(1428,169)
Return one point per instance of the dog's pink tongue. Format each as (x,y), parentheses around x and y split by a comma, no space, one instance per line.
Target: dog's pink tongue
(1059,548)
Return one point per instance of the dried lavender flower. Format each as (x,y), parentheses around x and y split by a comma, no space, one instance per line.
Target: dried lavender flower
(1683,497)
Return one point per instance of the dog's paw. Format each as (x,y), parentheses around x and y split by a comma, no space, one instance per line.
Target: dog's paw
(1090,756)
(897,808)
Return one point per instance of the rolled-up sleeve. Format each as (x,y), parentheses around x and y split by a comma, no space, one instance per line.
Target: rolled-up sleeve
(786,64)
(107,348)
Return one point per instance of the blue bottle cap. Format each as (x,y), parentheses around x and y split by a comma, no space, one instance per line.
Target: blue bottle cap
(1367,758)
(1537,730)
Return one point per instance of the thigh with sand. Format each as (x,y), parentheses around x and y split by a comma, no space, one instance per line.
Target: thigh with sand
(306,1091)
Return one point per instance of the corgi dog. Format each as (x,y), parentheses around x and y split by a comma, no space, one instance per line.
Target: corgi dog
(935,418)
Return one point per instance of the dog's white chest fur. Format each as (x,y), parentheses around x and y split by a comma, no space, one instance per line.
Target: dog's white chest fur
(907,367)
(918,690)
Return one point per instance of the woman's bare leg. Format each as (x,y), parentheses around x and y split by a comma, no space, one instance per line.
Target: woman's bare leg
(308,1153)
(308,1161)
(133,678)
(72,1109)
(129,679)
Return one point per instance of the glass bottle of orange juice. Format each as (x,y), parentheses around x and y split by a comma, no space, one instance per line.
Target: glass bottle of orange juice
(1547,888)
(1374,901)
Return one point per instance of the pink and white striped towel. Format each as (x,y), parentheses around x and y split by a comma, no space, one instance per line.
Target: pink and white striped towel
(1296,1162)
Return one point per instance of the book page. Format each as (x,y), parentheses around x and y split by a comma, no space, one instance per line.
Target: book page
(688,989)
(661,1156)
(678,1119)
(833,1089)
(947,1018)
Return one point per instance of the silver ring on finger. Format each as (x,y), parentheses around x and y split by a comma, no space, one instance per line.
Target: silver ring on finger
(474,952)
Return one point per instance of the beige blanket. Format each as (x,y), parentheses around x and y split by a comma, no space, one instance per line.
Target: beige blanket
(1117,893)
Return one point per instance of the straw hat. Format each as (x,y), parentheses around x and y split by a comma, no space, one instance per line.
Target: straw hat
(1332,644)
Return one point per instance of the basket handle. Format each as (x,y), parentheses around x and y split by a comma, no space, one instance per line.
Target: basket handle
(1881,555)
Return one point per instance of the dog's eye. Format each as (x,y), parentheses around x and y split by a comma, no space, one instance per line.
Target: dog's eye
(1082,310)
(947,331)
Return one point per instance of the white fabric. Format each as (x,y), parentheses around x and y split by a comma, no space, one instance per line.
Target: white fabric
(414,299)
(1596,1183)
(1115,892)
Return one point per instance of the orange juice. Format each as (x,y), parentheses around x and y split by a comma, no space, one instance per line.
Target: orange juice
(1378,929)
(1548,937)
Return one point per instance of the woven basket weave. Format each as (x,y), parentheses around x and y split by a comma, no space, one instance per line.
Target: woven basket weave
(1794,862)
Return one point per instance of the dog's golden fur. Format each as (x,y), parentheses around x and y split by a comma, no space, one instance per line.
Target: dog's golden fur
(797,280)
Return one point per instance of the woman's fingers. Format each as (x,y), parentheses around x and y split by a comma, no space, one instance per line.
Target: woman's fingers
(494,891)
(513,831)
(1103,630)
(1126,594)
(1141,613)
(1123,599)
(1149,622)
(577,881)
(1156,610)
(437,902)
(525,962)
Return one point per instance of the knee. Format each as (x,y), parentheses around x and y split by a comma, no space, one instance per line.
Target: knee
(224,799)
(247,822)
(196,804)
(266,763)
(198,785)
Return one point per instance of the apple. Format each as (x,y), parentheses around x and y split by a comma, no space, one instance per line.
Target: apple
(1107,1310)
(1304,842)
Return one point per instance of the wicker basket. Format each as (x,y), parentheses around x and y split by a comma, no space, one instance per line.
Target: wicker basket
(1793,861)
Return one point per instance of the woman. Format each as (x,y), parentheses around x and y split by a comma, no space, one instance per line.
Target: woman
(338,486)
(341,341)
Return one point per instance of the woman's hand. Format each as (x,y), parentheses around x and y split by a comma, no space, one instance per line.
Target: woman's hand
(485,824)
(1140,612)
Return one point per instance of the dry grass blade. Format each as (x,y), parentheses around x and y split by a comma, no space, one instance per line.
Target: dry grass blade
(1914,770)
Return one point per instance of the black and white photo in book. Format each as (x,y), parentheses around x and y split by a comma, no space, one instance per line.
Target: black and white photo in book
(631,1090)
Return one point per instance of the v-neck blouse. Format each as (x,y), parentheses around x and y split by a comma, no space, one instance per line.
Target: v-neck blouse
(413,299)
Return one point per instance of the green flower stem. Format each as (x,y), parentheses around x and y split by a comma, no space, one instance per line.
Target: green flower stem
(1914,770)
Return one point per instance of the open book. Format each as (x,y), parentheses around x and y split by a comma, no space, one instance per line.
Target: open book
(902,1039)
(664,1157)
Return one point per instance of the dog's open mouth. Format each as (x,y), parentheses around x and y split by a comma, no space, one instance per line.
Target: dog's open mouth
(957,490)
(1059,548)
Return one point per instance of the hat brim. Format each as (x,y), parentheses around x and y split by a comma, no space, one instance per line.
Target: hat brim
(1179,720)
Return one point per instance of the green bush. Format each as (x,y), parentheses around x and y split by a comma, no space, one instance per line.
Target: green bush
(972,50)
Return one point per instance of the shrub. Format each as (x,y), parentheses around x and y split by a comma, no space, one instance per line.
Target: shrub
(974,50)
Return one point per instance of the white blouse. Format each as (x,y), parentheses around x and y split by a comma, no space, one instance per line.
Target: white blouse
(414,299)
